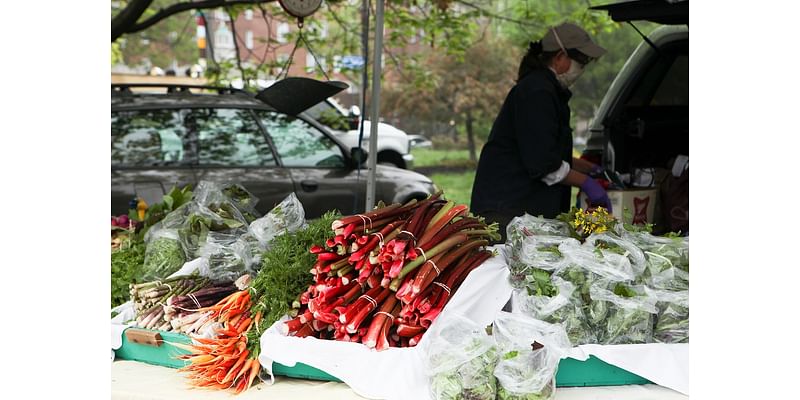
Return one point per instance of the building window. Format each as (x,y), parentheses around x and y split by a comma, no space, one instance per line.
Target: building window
(248,39)
(223,38)
(248,14)
(310,63)
(283,30)
(337,64)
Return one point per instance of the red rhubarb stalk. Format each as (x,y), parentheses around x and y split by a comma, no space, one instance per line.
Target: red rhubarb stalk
(441,247)
(405,330)
(375,328)
(355,323)
(415,340)
(428,272)
(384,338)
(436,225)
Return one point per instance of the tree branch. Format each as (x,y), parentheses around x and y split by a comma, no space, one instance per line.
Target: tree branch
(236,46)
(497,16)
(180,7)
(128,17)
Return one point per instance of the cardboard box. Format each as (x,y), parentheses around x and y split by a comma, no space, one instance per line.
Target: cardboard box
(641,203)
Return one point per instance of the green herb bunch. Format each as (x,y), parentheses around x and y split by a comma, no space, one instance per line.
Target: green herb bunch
(126,267)
(285,273)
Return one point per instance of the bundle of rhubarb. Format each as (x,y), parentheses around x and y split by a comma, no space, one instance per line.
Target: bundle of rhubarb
(385,275)
(174,304)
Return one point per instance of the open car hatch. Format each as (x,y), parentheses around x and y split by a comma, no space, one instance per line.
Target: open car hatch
(296,94)
(667,12)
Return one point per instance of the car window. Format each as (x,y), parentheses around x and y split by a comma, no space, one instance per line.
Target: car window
(300,144)
(148,138)
(666,80)
(674,88)
(328,115)
(229,137)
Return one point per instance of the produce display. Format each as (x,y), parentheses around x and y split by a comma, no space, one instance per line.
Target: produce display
(383,277)
(204,264)
(604,282)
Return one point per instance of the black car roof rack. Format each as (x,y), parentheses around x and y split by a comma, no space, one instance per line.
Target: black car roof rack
(125,88)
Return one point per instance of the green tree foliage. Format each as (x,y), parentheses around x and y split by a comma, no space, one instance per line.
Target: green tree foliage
(465,88)
(170,40)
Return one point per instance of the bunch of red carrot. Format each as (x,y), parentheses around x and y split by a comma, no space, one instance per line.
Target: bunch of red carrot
(384,276)
(224,362)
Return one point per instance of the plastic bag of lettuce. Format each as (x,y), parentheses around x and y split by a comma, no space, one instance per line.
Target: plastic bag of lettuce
(530,351)
(460,358)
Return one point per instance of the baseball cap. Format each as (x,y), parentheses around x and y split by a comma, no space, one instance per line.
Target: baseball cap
(571,36)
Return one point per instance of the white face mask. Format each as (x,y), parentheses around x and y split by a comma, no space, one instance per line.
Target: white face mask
(568,78)
(575,68)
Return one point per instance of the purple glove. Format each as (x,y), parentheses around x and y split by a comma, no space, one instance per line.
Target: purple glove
(597,195)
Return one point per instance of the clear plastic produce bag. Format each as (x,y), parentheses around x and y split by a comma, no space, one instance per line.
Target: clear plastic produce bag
(672,320)
(527,225)
(210,194)
(630,313)
(603,263)
(460,358)
(530,351)
(563,309)
(288,216)
(227,257)
(611,244)
(163,254)
(536,252)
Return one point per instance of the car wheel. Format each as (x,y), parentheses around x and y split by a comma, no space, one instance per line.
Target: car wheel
(391,158)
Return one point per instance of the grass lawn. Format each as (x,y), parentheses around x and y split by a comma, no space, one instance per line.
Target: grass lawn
(456,187)
(440,158)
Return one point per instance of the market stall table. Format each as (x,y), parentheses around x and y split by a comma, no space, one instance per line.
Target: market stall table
(134,380)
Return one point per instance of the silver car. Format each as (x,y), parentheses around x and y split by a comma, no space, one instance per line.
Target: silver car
(179,136)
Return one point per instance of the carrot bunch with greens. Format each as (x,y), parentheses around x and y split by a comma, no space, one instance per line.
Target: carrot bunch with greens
(224,362)
(230,360)
(385,275)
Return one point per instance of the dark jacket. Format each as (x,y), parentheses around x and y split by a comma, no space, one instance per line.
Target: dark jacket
(529,139)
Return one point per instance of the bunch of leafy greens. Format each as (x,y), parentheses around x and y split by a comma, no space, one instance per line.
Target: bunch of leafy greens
(539,283)
(285,274)
(521,366)
(245,202)
(627,324)
(126,267)
(672,324)
(472,380)
(170,202)
(163,256)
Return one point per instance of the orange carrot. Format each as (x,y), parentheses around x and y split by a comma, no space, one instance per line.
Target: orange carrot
(244,369)
(254,371)
(238,364)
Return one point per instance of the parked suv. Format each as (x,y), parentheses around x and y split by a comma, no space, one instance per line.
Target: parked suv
(643,120)
(393,144)
(641,128)
(184,134)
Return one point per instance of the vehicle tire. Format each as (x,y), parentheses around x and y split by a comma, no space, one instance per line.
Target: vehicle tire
(391,158)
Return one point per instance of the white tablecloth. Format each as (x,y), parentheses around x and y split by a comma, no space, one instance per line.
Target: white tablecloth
(138,381)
